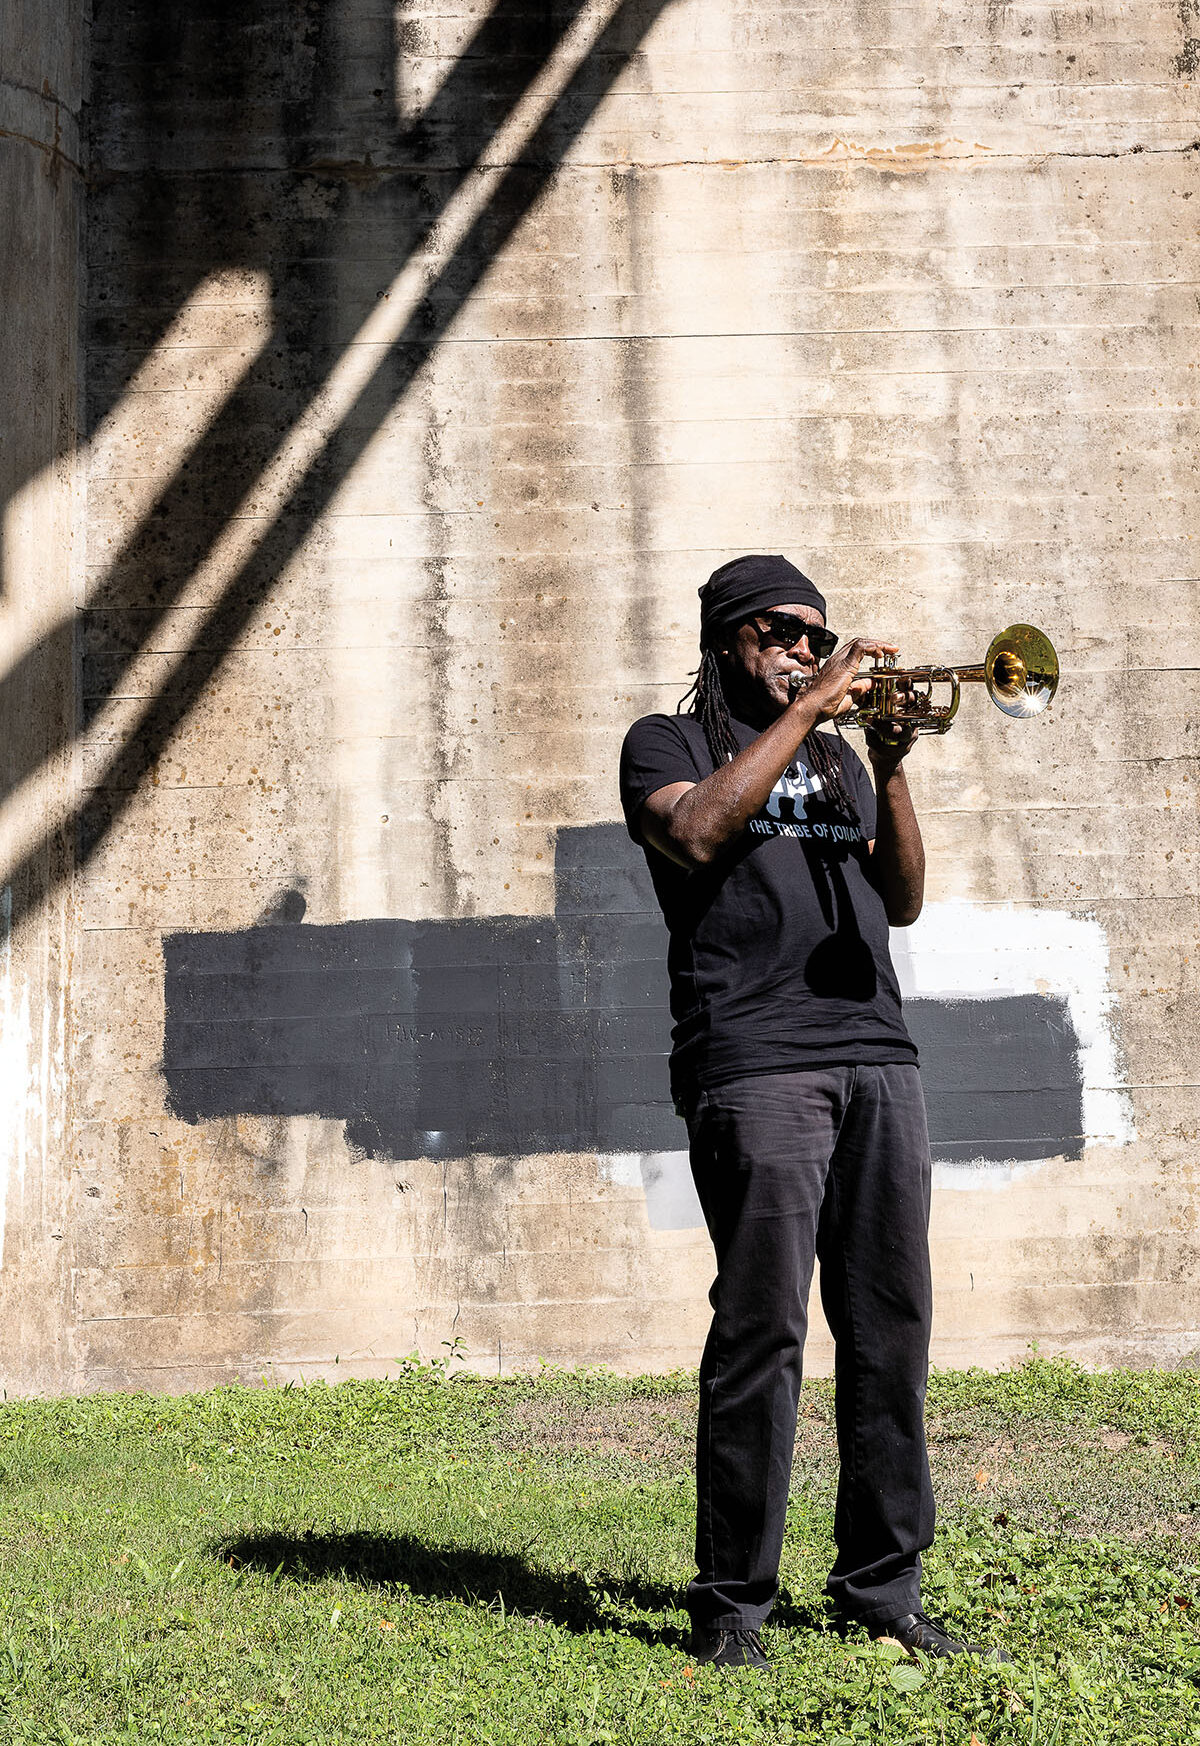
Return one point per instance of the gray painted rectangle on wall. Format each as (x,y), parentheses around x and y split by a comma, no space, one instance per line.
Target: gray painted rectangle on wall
(510,1034)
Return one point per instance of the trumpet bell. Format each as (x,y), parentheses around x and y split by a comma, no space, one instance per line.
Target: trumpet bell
(1020,670)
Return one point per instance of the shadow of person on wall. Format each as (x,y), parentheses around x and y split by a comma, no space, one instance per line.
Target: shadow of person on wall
(474,1574)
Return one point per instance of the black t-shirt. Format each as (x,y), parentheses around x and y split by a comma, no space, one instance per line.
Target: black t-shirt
(779,950)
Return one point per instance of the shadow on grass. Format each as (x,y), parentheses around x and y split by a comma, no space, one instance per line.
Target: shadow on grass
(484,1578)
(465,1573)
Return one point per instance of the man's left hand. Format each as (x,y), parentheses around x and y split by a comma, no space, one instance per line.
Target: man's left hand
(886,751)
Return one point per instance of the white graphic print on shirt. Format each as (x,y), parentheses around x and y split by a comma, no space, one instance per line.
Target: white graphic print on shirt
(784,813)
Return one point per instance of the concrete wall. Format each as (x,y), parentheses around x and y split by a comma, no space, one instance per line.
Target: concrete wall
(41,502)
(434,356)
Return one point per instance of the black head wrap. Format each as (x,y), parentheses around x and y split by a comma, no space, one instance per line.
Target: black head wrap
(747,585)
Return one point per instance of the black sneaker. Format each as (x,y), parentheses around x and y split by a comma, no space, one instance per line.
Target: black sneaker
(916,1632)
(718,1648)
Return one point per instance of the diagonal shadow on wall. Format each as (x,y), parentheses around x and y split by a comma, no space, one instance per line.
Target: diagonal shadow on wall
(182,204)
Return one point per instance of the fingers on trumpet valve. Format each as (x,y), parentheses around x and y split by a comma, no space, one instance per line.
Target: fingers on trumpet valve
(865,648)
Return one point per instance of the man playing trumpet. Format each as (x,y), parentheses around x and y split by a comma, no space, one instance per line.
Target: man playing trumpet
(779,870)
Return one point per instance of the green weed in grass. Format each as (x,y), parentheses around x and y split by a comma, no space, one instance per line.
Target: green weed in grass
(438,1558)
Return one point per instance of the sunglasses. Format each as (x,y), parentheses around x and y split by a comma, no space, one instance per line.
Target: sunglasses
(788,628)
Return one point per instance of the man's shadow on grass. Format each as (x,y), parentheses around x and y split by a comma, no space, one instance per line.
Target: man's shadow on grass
(464,1573)
(482,1578)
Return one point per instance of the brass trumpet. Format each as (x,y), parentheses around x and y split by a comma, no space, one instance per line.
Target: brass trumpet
(1020,671)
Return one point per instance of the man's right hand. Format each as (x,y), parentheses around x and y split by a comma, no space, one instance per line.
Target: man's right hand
(839,686)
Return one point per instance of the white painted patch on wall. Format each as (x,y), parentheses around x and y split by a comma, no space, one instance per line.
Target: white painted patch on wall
(961,950)
(666,1178)
(964,951)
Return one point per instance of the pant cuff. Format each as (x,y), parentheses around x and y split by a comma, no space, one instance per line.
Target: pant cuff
(749,1621)
(880,1614)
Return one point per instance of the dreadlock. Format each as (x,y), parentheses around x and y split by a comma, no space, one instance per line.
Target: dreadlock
(709,707)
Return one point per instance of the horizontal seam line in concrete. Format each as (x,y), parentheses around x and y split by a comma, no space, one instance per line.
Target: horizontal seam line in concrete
(112,312)
(905,87)
(906,90)
(549,257)
(152,930)
(634,1298)
(1008,328)
(220,354)
(427,1258)
(526,643)
(1026,807)
(1152,1085)
(569,472)
(879,159)
(879,505)
(555,505)
(219,351)
(867,158)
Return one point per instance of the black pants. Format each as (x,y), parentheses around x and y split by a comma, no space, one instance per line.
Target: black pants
(832,1163)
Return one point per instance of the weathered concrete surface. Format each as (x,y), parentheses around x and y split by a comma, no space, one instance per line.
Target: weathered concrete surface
(433,359)
(40,504)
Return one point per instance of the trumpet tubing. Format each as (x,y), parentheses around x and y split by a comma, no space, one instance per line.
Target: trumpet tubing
(1020,671)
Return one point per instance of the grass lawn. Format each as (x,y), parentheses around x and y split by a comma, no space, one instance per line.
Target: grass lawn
(439,1558)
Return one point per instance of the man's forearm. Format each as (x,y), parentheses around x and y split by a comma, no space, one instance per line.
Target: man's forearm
(710,815)
(898,859)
